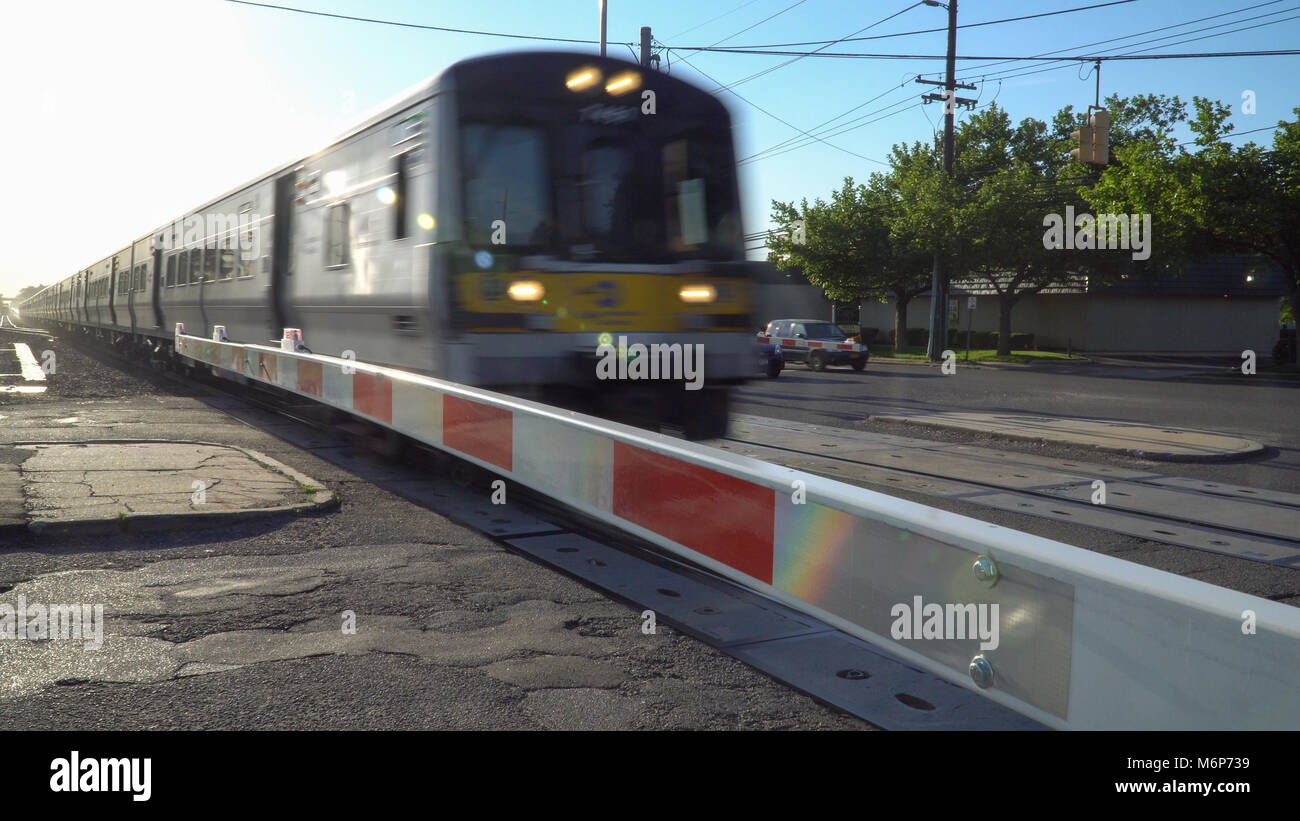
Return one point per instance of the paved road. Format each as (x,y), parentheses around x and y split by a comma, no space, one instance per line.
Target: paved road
(1172,394)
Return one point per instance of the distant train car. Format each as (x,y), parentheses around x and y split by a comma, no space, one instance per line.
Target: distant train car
(494,226)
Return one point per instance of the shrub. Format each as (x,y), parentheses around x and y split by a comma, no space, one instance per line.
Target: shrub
(1284,349)
(1022,342)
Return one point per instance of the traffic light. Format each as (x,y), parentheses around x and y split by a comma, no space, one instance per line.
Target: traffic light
(1083,137)
(1100,137)
(1093,139)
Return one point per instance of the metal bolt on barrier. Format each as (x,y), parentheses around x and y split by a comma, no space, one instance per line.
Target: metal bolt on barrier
(981,672)
(986,570)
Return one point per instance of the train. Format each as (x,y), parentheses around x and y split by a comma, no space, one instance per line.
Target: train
(493,226)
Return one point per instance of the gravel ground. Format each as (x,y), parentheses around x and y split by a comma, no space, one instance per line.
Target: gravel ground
(83,373)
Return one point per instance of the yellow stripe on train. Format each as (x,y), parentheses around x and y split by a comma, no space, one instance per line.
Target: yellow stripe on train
(608,301)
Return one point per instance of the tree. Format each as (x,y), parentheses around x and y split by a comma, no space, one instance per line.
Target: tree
(1010,183)
(847,247)
(30,290)
(1216,197)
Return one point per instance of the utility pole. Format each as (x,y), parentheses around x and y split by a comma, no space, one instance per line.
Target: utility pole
(604,16)
(939,277)
(645,46)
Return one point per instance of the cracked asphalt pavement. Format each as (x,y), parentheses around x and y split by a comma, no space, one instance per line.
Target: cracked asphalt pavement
(247,626)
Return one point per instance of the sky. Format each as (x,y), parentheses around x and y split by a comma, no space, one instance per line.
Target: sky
(116,117)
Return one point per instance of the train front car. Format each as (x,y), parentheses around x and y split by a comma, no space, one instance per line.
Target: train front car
(596,222)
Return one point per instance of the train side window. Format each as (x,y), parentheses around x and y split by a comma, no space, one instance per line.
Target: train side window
(244,240)
(171,271)
(183,268)
(337,240)
(196,265)
(403,163)
(226,258)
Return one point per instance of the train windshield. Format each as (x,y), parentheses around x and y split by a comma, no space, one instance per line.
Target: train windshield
(598,182)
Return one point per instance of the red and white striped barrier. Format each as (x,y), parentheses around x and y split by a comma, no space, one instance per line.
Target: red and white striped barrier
(1084,640)
(811,344)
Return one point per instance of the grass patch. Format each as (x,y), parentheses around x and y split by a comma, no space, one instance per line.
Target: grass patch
(976,355)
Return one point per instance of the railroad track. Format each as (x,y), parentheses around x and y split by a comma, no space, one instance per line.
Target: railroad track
(1257,524)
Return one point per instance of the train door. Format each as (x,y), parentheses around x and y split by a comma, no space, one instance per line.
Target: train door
(282,253)
(156,287)
(112,294)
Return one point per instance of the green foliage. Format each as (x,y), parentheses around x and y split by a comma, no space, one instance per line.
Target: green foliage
(1215,197)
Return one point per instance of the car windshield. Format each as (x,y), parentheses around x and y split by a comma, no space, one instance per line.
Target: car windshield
(823,330)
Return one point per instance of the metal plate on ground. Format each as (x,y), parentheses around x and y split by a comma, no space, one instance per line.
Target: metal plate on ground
(795,648)
(713,609)
(856,677)
(470,507)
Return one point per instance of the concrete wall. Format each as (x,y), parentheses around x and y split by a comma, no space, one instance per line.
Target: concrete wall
(1099,323)
(789,301)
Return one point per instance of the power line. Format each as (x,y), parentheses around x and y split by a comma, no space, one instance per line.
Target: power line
(687,60)
(1137,34)
(1133,54)
(418,25)
(783,143)
(776,151)
(1087,58)
(789,124)
(712,19)
(1232,134)
(828,45)
(930,31)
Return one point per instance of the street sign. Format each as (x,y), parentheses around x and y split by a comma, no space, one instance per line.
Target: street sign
(970,303)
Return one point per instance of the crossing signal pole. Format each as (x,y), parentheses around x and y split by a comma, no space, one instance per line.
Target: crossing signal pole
(939,277)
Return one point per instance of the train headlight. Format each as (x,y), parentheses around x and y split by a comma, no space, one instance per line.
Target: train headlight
(623,83)
(582,79)
(526,290)
(697,293)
